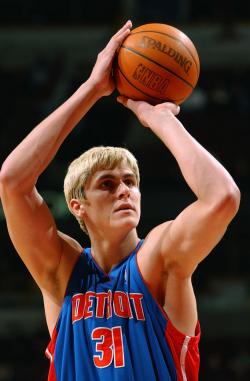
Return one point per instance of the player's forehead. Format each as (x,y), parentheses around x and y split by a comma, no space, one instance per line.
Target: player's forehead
(118,171)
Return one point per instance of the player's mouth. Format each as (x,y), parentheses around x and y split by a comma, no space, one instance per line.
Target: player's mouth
(124,207)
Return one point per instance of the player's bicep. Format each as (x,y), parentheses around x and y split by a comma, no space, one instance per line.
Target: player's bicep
(33,231)
(193,235)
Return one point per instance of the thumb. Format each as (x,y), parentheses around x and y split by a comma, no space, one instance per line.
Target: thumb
(130,103)
(174,108)
(123,100)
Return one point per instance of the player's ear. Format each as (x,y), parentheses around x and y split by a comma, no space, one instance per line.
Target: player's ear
(77,207)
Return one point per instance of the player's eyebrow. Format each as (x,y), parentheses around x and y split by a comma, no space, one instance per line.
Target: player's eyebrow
(108,175)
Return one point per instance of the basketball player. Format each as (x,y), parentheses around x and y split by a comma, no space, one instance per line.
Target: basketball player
(125,308)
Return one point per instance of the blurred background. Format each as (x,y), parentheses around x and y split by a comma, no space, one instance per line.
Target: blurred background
(47,48)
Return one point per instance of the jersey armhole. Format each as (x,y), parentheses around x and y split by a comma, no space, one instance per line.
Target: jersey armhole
(179,336)
(49,352)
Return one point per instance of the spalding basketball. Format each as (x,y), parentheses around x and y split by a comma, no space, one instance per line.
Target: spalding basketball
(157,63)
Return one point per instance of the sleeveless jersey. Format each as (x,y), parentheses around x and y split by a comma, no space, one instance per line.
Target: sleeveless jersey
(111,328)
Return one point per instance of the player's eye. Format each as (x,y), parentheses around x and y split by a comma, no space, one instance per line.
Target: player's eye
(130,182)
(107,184)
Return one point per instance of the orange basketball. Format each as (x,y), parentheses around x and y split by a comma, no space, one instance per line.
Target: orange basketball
(157,63)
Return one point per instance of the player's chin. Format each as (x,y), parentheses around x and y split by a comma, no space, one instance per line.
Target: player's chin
(127,222)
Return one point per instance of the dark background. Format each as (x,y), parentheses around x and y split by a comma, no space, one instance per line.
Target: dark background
(47,49)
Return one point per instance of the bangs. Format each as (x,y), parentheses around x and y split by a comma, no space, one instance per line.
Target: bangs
(110,158)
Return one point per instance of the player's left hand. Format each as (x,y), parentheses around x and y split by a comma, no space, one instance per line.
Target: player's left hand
(150,115)
(101,75)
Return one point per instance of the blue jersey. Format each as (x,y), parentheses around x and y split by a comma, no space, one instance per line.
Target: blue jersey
(111,328)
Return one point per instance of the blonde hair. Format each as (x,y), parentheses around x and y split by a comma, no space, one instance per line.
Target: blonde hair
(96,158)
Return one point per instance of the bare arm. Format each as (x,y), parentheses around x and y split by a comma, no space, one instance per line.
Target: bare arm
(36,151)
(179,246)
(201,225)
(48,254)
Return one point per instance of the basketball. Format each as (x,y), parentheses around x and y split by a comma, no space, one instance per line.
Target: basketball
(157,63)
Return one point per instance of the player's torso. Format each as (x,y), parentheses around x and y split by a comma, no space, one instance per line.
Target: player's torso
(110,328)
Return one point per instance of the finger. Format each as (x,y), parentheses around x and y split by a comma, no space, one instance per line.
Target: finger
(175,109)
(117,39)
(178,109)
(127,25)
(121,99)
(130,103)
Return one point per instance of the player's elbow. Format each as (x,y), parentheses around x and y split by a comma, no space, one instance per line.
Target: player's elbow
(5,177)
(228,203)
(11,179)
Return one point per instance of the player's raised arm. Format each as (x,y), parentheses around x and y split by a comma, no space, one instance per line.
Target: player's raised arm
(194,233)
(173,249)
(30,224)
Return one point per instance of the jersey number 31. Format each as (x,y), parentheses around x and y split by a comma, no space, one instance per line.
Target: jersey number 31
(109,344)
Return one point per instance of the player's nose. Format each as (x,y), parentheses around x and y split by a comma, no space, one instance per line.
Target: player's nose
(123,190)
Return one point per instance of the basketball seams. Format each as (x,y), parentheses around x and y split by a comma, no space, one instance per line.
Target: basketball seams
(142,69)
(141,91)
(158,64)
(174,38)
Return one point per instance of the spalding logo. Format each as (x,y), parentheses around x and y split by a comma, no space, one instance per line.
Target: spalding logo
(151,43)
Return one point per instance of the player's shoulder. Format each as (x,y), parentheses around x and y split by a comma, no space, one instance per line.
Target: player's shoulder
(154,241)
(157,233)
(70,243)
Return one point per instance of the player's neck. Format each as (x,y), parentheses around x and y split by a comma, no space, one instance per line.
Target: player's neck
(109,252)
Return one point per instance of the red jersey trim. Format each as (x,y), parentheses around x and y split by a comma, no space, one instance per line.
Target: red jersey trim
(185,352)
(50,353)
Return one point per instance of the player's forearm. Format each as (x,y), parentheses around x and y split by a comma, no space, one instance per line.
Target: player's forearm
(207,178)
(35,152)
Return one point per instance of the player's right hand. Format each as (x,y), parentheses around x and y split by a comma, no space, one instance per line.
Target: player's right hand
(101,75)
(149,115)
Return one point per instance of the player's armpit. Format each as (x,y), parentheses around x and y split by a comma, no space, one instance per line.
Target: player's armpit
(194,234)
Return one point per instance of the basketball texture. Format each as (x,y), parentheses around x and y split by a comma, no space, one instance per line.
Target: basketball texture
(157,63)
